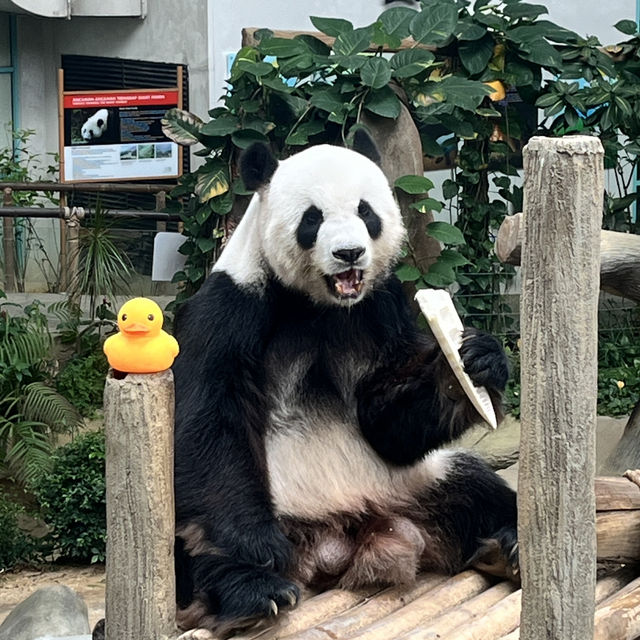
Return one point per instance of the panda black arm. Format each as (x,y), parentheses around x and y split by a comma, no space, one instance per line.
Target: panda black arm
(222,499)
(412,403)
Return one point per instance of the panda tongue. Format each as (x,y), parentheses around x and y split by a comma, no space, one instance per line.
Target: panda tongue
(347,283)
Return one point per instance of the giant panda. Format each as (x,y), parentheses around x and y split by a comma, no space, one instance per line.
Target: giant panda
(311,413)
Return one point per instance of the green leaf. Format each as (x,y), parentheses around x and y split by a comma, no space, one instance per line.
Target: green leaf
(221,126)
(410,62)
(434,25)
(212,181)
(202,215)
(257,69)
(205,244)
(427,204)
(246,137)
(349,43)
(456,90)
(282,47)
(436,280)
(326,100)
(524,10)
(475,55)
(383,102)
(628,27)
(542,53)
(315,45)
(331,26)
(181,126)
(452,258)
(300,135)
(376,73)
(467,30)
(445,232)
(449,189)
(441,272)
(413,184)
(407,273)
(396,21)
(222,204)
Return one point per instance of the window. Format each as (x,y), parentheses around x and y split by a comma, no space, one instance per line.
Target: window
(7,79)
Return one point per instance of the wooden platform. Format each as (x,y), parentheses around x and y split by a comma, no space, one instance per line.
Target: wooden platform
(468,606)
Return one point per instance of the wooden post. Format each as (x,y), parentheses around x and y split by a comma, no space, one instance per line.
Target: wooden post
(9,244)
(140,578)
(564,184)
(73,218)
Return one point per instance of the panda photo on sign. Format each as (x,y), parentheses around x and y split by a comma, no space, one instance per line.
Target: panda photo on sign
(97,129)
(311,412)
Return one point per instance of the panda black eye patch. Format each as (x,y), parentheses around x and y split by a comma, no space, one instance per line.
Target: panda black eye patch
(308,228)
(370,218)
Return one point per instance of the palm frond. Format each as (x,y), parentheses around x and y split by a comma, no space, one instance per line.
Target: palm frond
(30,347)
(27,449)
(45,405)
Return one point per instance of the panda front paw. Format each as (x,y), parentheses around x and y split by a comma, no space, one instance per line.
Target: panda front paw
(484,359)
(253,594)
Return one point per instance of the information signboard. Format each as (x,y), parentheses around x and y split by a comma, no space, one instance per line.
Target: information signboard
(117,135)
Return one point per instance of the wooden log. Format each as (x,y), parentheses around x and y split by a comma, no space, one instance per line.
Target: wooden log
(619,616)
(614,494)
(618,535)
(620,253)
(462,614)
(564,184)
(140,572)
(9,245)
(443,598)
(626,454)
(383,604)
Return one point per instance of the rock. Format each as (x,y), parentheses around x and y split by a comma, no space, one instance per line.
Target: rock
(51,612)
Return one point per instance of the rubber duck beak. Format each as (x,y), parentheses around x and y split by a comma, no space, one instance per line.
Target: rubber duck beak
(136,327)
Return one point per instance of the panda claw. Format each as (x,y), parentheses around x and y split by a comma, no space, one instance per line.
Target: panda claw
(273,607)
(292,598)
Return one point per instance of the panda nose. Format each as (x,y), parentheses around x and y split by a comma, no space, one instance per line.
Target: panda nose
(349,255)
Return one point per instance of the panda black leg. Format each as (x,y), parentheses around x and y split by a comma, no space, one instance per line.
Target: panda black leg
(476,517)
(239,593)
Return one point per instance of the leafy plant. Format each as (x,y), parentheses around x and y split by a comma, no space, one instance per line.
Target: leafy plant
(15,546)
(104,269)
(81,381)
(72,498)
(31,411)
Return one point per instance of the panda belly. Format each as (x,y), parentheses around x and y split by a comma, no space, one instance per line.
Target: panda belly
(324,469)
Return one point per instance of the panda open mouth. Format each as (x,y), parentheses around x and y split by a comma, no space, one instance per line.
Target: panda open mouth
(347,284)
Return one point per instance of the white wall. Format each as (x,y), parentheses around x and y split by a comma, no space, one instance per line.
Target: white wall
(228,17)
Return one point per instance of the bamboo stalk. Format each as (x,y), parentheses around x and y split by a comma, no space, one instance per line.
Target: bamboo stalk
(443,598)
(313,611)
(462,614)
(370,611)
(500,619)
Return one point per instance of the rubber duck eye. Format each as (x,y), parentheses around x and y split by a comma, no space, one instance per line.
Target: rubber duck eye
(124,317)
(150,317)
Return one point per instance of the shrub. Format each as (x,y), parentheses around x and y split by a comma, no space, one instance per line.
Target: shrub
(72,499)
(15,546)
(81,381)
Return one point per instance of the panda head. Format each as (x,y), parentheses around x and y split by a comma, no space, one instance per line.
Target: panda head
(95,125)
(328,222)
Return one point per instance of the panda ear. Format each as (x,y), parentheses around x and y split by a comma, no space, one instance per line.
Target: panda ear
(257,165)
(363,143)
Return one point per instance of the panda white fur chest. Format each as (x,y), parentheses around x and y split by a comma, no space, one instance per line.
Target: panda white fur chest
(311,412)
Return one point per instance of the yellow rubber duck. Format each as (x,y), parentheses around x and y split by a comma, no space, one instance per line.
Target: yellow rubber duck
(141,346)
